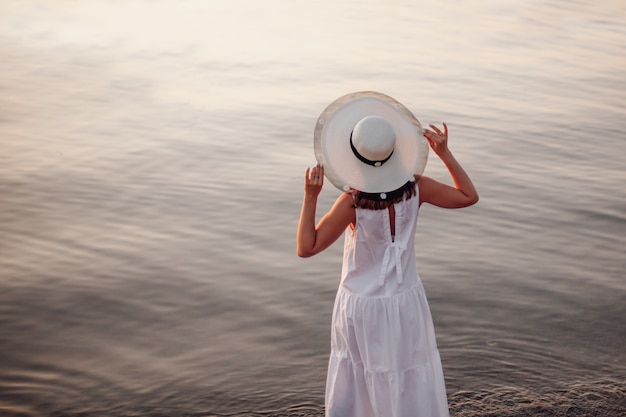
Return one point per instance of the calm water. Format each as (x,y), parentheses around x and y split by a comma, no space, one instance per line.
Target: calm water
(151,162)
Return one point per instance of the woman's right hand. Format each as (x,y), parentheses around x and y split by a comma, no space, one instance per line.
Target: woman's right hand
(437,139)
(313,180)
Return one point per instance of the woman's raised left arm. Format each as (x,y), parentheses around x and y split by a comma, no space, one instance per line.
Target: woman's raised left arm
(312,238)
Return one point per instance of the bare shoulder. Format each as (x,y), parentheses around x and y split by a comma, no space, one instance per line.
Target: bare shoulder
(346,199)
(343,209)
(425,185)
(343,206)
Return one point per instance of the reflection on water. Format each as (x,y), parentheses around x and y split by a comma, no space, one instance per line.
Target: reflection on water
(151,156)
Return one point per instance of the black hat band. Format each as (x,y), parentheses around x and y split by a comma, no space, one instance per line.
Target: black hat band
(364,159)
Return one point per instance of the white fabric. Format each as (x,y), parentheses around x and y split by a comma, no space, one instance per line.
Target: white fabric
(384,360)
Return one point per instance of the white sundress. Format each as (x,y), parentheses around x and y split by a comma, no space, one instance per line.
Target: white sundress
(384,360)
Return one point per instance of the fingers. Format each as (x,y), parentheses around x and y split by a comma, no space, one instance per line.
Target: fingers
(436,133)
(433,135)
(437,139)
(435,128)
(315,175)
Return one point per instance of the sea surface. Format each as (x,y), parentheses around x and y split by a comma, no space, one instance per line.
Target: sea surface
(152,155)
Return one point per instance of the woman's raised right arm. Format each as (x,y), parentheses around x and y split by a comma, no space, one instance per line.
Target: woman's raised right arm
(463,194)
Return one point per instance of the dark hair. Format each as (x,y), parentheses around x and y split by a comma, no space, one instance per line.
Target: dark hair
(380,201)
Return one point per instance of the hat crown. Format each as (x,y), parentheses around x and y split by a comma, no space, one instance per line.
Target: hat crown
(374,138)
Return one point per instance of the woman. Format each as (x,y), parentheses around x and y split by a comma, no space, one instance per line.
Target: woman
(384,359)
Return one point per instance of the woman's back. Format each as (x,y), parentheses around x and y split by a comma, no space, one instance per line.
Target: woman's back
(378,262)
(384,358)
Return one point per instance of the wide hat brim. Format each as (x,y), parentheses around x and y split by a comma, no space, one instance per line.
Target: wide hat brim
(343,169)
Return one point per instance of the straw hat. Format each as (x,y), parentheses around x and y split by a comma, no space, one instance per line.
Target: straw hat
(370,142)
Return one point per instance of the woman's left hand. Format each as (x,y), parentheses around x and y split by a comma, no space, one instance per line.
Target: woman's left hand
(313,180)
